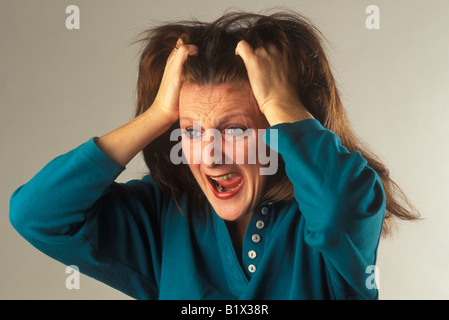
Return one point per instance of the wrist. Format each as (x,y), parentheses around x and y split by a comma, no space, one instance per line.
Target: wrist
(278,113)
(165,119)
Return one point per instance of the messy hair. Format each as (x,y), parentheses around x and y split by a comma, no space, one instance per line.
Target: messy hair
(217,63)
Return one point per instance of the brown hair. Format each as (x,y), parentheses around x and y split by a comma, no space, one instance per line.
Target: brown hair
(217,63)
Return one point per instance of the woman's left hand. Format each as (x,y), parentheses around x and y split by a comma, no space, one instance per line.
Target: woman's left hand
(268,73)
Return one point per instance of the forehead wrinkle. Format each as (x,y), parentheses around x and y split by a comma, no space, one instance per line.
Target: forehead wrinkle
(215,104)
(238,118)
(217,118)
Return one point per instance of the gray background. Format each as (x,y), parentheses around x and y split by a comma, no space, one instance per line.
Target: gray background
(60,87)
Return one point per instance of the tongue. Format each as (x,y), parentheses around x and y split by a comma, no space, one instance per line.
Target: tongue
(232,182)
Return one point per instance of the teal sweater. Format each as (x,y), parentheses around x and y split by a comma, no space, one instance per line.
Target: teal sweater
(130,236)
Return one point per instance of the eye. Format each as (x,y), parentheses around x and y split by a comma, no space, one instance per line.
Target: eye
(234,131)
(191,133)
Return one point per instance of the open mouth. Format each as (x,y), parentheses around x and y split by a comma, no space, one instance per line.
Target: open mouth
(225,185)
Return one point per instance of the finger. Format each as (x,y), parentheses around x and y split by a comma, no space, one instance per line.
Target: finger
(192,50)
(181,52)
(179,43)
(180,40)
(178,57)
(244,50)
(184,51)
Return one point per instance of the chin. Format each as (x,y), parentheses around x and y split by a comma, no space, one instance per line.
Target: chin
(232,208)
(229,212)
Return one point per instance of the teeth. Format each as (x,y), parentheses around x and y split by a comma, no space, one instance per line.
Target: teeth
(220,188)
(226,176)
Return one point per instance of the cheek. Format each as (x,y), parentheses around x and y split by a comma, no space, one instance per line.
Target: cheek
(191,150)
(195,169)
(241,150)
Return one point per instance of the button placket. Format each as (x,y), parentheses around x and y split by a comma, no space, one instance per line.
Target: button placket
(253,245)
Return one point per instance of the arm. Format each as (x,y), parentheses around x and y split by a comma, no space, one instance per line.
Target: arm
(340,197)
(125,142)
(64,179)
(73,210)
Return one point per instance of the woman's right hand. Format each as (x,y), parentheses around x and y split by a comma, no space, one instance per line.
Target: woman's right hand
(167,98)
(125,142)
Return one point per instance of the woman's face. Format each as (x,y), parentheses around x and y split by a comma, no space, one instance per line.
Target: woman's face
(216,117)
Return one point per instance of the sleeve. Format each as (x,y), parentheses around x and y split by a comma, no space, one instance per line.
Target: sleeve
(341,200)
(73,211)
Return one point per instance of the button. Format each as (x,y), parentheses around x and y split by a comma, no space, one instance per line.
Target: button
(260,224)
(256,238)
(252,254)
(264,210)
(252,268)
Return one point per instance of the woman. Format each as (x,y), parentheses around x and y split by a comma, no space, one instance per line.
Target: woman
(220,229)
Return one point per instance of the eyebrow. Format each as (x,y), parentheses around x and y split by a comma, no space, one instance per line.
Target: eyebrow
(222,118)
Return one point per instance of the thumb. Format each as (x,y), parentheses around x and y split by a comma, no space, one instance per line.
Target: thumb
(244,50)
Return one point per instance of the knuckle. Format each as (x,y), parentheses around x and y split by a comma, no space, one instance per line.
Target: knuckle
(240,45)
(186,49)
(181,48)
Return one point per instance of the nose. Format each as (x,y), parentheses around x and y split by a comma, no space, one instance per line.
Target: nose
(211,148)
